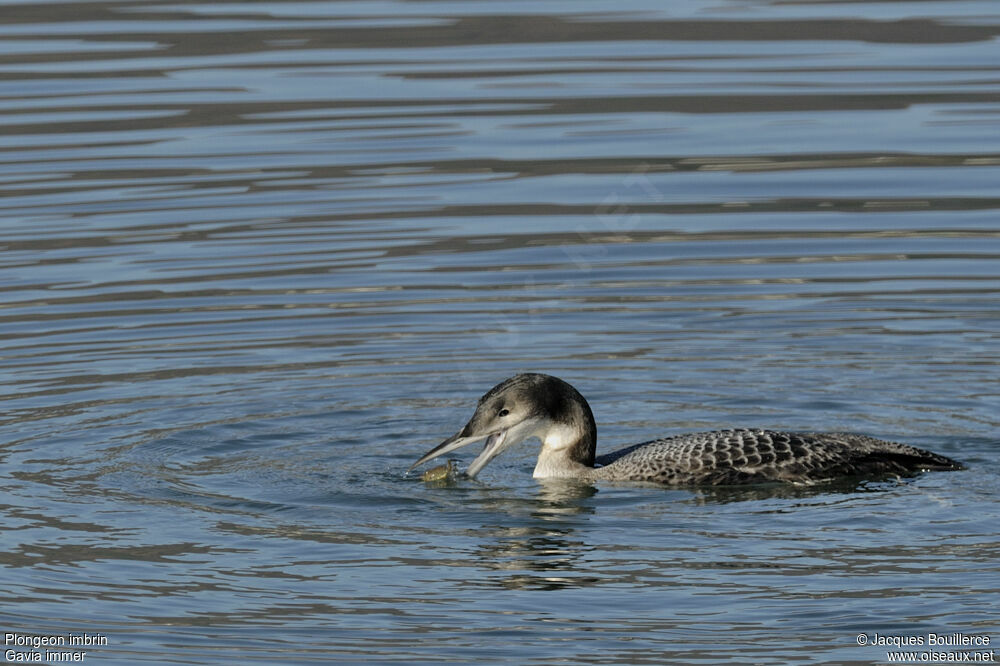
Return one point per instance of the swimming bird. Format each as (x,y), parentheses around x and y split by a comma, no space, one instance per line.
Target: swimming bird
(545,407)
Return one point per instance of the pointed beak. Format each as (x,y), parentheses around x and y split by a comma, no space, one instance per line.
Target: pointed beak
(456,441)
(494,445)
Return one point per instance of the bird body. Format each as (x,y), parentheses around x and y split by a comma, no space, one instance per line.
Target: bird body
(731,457)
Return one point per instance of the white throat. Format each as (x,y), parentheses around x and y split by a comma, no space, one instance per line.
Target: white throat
(553,459)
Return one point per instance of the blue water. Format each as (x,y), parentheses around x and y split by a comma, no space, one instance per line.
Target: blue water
(257,258)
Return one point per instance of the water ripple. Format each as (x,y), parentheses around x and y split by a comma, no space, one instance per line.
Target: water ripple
(256,257)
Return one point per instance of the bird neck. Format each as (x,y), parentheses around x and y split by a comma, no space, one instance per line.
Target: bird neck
(569,441)
(581,418)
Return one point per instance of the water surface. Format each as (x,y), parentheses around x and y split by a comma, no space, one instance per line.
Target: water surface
(256,258)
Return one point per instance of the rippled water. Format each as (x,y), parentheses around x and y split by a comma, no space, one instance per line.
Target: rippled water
(257,257)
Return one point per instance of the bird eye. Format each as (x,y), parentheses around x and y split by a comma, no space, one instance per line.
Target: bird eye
(503,412)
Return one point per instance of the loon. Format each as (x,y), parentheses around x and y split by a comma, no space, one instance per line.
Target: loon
(535,405)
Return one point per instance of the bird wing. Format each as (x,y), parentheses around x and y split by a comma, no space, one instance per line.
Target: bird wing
(741,456)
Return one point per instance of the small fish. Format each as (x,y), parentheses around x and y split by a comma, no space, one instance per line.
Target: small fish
(440,473)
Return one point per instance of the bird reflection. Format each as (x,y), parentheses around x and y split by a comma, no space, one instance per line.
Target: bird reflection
(543,551)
